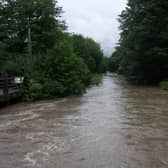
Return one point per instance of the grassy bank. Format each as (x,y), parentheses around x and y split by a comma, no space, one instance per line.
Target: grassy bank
(164,85)
(96,79)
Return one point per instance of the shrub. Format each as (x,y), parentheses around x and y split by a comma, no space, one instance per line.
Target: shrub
(58,73)
(53,88)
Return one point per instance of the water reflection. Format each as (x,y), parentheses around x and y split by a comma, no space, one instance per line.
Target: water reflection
(114,125)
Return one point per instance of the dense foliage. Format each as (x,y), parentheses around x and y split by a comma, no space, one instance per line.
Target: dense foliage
(91,53)
(62,73)
(142,54)
(19,15)
(34,44)
(16,17)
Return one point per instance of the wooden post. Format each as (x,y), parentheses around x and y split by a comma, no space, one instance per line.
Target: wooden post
(6,89)
(30,47)
(29,50)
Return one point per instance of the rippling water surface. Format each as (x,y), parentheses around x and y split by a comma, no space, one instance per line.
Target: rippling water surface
(114,125)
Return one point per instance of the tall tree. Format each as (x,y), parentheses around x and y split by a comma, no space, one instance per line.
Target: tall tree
(41,16)
(89,50)
(143,42)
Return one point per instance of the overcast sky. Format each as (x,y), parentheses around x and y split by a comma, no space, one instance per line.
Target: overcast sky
(94,18)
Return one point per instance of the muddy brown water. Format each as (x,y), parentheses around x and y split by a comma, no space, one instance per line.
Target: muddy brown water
(114,125)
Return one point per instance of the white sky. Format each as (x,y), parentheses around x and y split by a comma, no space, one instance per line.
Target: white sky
(94,18)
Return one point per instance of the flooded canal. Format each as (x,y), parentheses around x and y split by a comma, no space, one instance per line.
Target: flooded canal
(114,125)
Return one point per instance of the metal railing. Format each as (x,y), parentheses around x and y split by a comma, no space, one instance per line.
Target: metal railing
(9,88)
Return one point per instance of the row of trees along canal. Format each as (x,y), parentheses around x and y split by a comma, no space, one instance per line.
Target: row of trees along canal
(142,53)
(34,44)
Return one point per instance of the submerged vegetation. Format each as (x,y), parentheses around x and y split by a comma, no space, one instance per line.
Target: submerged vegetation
(34,44)
(142,53)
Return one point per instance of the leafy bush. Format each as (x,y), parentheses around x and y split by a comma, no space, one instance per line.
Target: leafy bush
(64,66)
(34,90)
(53,88)
(58,73)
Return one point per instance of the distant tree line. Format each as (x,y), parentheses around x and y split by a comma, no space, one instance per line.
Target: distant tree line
(142,53)
(60,63)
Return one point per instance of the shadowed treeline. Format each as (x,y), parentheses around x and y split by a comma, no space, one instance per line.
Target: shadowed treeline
(142,53)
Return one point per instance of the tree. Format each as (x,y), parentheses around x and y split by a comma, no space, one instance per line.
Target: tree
(89,50)
(143,42)
(114,61)
(19,15)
